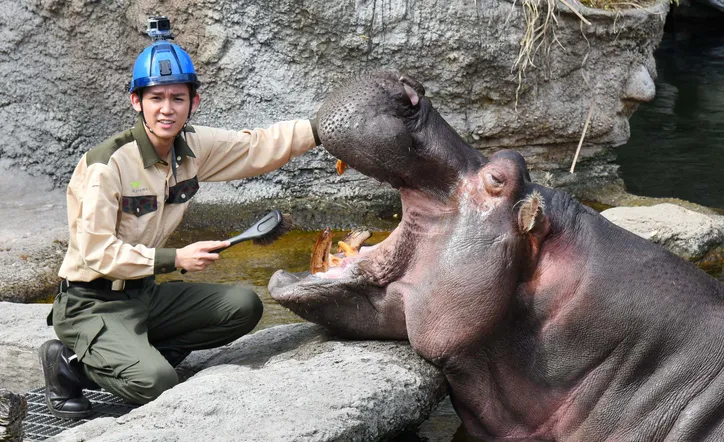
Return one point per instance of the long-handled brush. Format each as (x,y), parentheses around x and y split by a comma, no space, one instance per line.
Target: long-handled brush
(265,231)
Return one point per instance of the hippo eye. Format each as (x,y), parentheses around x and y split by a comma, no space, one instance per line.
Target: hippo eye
(494,180)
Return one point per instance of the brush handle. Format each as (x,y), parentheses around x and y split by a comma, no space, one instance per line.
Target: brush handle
(244,236)
(262,227)
(235,240)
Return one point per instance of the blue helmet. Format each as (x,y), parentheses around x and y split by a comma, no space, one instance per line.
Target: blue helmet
(163,63)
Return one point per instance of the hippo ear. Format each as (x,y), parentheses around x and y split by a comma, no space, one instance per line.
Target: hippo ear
(413,89)
(531,213)
(414,98)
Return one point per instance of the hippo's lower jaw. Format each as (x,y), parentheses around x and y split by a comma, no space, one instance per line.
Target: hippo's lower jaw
(359,297)
(342,300)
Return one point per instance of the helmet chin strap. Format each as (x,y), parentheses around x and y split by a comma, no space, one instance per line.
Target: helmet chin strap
(143,116)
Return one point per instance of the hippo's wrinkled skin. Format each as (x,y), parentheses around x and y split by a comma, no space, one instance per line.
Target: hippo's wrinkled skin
(549,322)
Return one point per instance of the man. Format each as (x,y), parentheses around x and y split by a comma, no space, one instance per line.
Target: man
(117,328)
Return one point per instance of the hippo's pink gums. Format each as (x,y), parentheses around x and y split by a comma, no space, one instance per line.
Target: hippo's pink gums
(549,322)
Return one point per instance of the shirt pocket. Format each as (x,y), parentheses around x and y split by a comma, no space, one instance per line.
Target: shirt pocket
(139,205)
(182,192)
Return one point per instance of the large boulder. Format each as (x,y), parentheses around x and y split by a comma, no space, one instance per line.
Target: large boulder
(684,232)
(65,65)
(23,330)
(291,382)
(33,235)
(287,383)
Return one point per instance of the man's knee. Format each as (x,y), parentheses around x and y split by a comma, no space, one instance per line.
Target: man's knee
(247,308)
(150,382)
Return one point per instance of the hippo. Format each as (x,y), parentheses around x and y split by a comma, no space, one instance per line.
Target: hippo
(549,322)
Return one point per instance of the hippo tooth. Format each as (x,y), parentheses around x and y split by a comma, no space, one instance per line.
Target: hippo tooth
(320,254)
(346,248)
(334,261)
(355,239)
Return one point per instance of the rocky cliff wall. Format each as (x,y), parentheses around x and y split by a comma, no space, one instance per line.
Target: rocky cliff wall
(65,65)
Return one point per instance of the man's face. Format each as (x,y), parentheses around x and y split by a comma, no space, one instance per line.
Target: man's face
(166,108)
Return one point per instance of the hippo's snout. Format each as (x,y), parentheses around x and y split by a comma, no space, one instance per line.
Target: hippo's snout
(383,126)
(282,278)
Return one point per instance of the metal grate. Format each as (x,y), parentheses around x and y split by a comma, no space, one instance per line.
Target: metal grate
(40,424)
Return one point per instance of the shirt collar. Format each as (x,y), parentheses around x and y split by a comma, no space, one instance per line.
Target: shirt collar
(148,152)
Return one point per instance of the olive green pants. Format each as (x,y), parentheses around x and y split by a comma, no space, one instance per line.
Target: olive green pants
(116,335)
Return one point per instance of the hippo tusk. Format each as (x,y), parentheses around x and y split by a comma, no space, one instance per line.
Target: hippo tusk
(322,259)
(320,254)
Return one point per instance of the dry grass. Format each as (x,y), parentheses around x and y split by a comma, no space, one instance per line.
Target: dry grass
(539,19)
(617,5)
(540,24)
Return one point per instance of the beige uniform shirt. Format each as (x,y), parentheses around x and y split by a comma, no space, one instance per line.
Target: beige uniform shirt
(124,202)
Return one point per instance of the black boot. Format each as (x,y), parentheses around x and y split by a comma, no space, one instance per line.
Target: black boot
(64,382)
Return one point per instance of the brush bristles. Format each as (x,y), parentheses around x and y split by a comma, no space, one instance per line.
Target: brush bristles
(276,233)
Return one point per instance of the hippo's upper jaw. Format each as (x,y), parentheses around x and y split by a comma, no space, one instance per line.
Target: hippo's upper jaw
(383,126)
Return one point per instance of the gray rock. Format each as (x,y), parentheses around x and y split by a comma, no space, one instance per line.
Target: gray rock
(684,232)
(13,409)
(640,86)
(286,383)
(291,382)
(33,236)
(65,65)
(22,331)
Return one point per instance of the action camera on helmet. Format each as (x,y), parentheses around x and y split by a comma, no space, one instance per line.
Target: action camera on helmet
(159,28)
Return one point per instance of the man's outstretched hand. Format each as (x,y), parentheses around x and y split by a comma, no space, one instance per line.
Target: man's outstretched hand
(199,255)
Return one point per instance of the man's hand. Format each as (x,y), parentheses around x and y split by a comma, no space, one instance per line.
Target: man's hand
(197,256)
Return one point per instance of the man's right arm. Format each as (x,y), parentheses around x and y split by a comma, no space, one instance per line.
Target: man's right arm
(229,155)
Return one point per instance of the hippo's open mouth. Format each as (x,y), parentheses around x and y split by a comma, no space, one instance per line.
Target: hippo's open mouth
(384,127)
(352,262)
(353,296)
